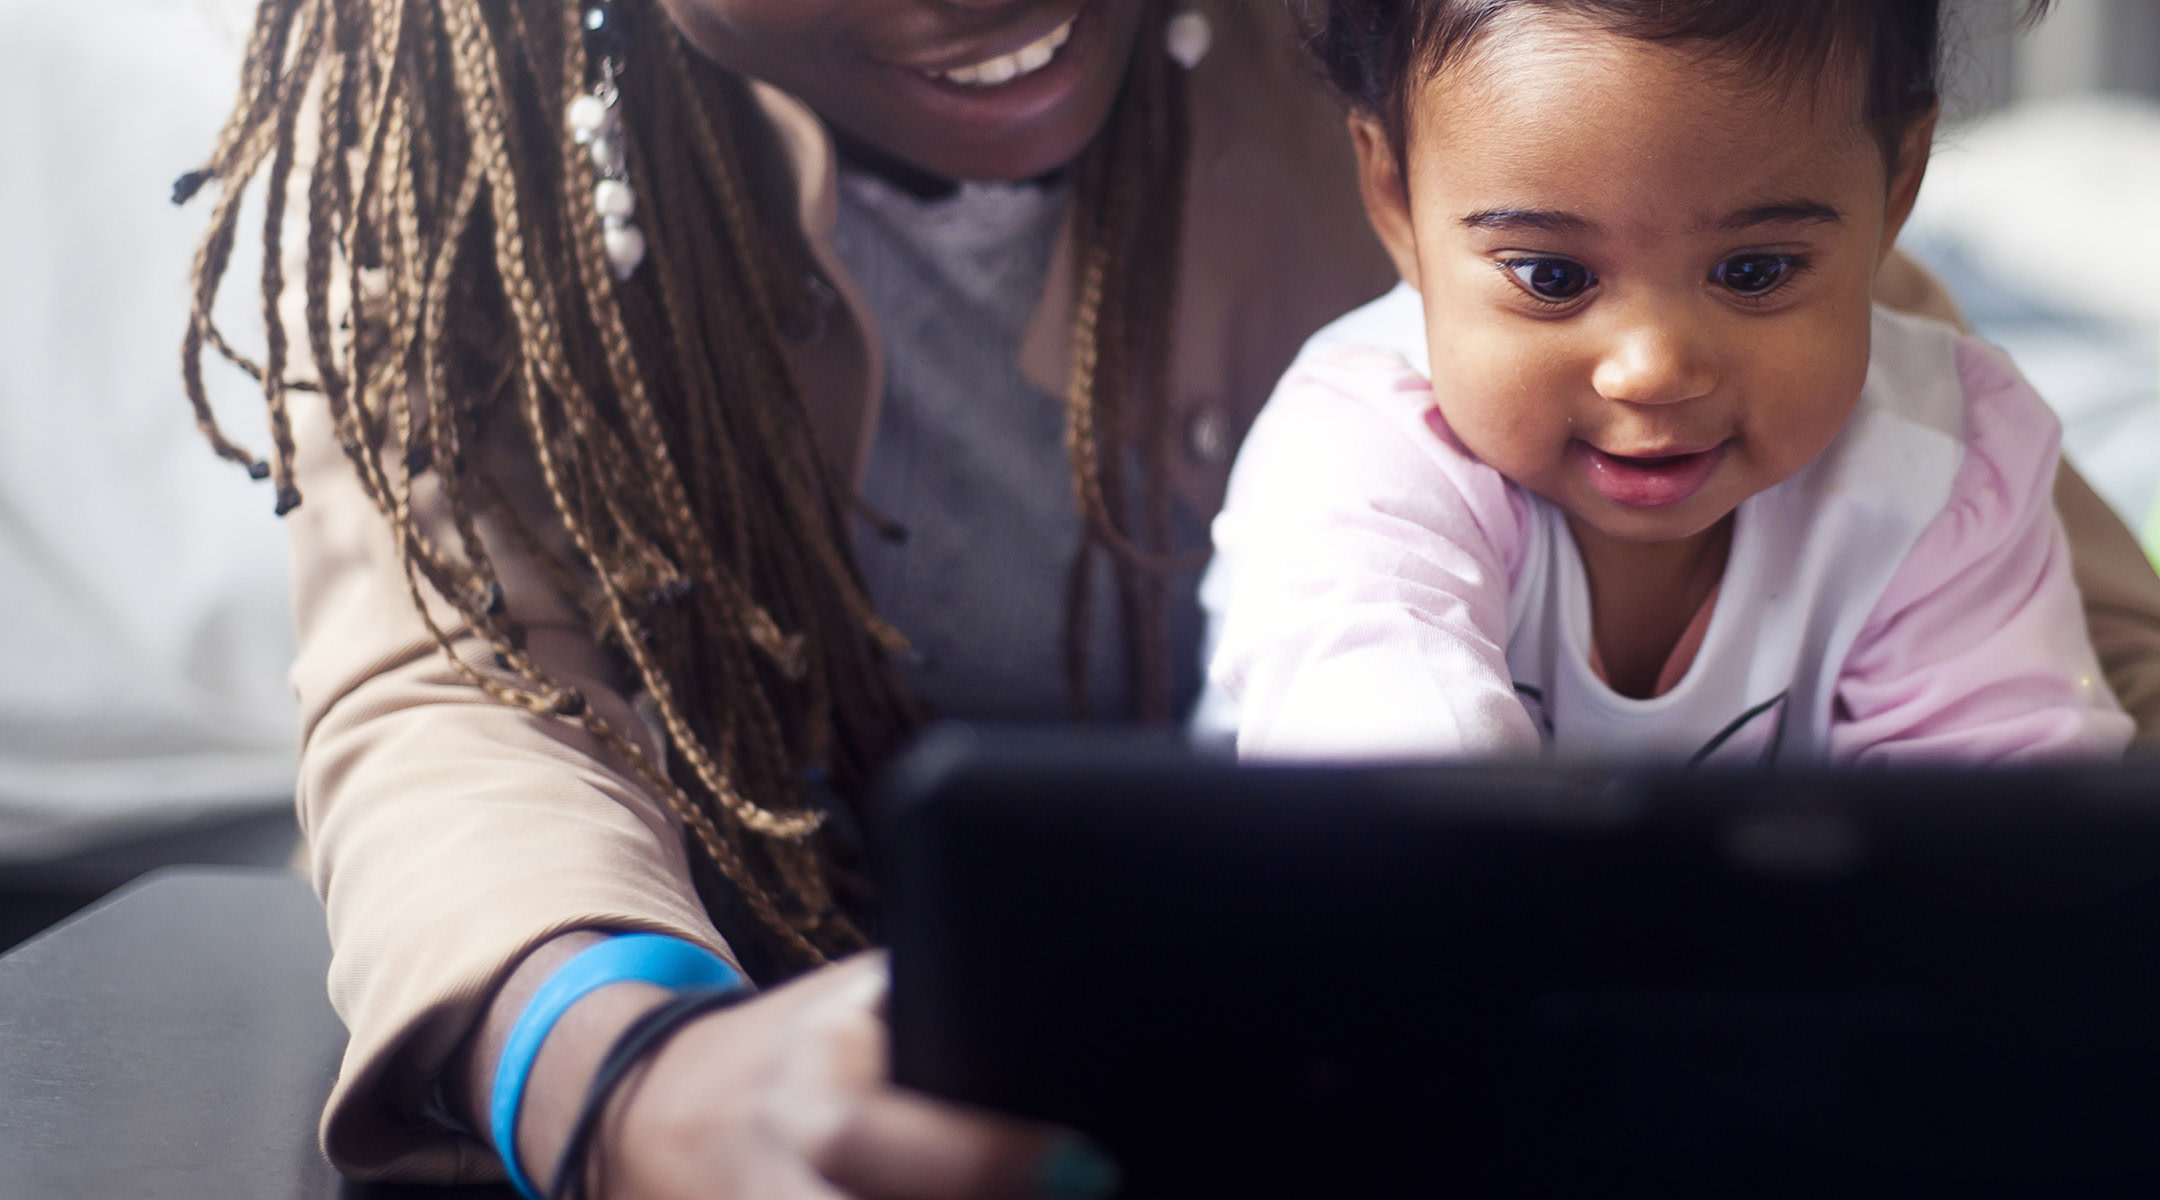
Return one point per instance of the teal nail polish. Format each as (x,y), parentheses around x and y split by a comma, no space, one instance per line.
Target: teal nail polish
(1077,1169)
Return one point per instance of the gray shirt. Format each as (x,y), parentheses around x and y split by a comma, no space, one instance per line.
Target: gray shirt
(969,457)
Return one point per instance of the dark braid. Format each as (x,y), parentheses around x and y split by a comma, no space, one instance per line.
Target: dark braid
(711,546)
(1130,196)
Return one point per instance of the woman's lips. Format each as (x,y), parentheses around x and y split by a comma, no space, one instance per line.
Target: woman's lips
(1649,482)
(984,102)
(992,70)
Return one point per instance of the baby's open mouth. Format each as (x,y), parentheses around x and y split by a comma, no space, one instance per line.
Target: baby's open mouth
(1650,481)
(1005,68)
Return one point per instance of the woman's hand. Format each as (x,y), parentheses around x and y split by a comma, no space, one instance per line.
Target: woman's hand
(781,1097)
(785,1097)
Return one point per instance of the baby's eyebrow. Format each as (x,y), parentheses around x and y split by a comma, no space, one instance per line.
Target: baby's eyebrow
(1784,212)
(1529,218)
(1779,212)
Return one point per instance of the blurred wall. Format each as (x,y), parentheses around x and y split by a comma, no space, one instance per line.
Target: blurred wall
(144,628)
(2081,47)
(2093,46)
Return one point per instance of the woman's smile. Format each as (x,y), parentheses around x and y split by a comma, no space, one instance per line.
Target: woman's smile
(966,89)
(983,87)
(981,66)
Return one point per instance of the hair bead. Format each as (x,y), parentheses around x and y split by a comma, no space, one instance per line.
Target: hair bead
(595,122)
(185,187)
(614,200)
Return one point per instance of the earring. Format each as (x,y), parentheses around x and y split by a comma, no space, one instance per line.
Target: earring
(596,124)
(1189,37)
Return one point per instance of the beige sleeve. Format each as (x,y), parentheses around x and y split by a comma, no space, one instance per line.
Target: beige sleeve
(449,833)
(2122,592)
(1907,286)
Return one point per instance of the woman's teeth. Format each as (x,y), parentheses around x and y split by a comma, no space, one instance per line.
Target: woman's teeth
(1005,68)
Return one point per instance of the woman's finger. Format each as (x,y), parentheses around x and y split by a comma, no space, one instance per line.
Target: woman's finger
(878,1142)
(899,1145)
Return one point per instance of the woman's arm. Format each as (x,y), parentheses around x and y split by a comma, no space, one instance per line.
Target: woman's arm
(782,1096)
(2122,599)
(449,833)
(465,849)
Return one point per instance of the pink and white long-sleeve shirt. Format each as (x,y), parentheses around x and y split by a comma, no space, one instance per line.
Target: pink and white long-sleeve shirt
(1378,592)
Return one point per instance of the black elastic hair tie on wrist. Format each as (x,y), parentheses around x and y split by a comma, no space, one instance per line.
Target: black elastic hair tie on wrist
(640,1041)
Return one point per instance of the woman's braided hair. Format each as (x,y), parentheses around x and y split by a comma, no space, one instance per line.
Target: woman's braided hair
(664,414)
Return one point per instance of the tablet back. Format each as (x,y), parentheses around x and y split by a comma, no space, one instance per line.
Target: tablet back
(1531,980)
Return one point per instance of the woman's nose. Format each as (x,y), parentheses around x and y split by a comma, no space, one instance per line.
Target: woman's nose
(1654,362)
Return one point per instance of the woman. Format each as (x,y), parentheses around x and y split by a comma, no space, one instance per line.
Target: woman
(681,437)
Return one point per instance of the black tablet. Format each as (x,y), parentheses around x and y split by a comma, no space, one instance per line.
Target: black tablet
(1534,979)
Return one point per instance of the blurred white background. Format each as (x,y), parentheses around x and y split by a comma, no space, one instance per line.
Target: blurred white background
(144,630)
(2042,213)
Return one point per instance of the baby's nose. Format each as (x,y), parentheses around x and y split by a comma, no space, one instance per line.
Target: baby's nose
(1653,363)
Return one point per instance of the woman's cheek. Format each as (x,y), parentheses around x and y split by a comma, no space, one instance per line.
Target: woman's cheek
(755,19)
(761,38)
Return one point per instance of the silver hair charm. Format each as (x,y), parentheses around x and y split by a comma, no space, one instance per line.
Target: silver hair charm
(596,124)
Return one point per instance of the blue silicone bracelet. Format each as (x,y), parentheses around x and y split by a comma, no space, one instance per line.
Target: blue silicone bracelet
(635,957)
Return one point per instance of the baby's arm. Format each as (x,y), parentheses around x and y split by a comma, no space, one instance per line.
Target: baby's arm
(1977,651)
(1360,581)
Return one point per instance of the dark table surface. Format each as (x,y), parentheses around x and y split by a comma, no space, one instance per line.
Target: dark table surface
(175,1040)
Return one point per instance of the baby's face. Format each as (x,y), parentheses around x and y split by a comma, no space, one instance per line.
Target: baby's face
(1646,283)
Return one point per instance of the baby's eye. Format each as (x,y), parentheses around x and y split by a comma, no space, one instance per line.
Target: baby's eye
(1753,274)
(1554,279)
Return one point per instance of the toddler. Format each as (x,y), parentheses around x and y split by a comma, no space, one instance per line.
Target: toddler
(1630,464)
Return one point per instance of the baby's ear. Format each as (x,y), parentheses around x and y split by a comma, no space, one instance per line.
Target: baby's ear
(1387,197)
(1908,173)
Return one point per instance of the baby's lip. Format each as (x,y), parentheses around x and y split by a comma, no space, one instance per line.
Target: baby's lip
(1655,480)
(1658,454)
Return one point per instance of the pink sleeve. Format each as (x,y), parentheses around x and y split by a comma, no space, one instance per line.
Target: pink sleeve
(1361,576)
(1977,651)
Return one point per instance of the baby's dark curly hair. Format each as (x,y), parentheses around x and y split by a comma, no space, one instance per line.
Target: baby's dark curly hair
(1376,51)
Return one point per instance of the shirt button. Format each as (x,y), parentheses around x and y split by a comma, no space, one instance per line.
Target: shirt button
(1207,436)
